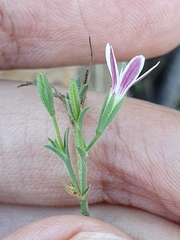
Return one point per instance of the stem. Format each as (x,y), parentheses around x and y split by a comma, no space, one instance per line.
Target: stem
(84,207)
(81,158)
(94,140)
(82,172)
(72,175)
(57,132)
(81,166)
(68,162)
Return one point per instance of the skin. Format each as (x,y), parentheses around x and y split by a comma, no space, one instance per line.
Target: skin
(133,170)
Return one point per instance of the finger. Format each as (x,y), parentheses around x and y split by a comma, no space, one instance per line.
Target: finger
(36,34)
(68,227)
(135,163)
(133,222)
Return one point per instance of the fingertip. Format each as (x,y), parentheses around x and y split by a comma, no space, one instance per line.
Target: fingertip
(68,227)
(96,236)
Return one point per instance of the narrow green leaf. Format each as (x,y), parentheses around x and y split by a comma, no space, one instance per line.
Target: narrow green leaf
(69,108)
(57,145)
(57,152)
(84,197)
(81,116)
(52,142)
(45,93)
(83,91)
(66,134)
(74,99)
(78,82)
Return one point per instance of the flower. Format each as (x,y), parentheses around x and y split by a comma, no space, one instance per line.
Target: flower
(129,73)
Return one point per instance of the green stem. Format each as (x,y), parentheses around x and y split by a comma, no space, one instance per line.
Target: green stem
(81,158)
(81,166)
(57,132)
(84,201)
(78,136)
(94,140)
(72,175)
(82,175)
(84,207)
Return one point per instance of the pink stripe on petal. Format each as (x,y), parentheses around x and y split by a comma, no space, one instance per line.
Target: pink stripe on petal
(130,73)
(142,76)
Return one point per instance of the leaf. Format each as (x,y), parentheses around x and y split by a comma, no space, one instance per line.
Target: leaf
(84,196)
(78,82)
(69,108)
(45,93)
(81,116)
(83,91)
(57,152)
(57,145)
(66,134)
(52,142)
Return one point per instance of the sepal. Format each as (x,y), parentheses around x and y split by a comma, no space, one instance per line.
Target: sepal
(108,112)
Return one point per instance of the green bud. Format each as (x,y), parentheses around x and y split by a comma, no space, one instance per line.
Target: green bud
(45,93)
(74,99)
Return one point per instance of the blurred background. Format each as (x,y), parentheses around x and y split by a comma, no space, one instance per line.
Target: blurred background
(162,86)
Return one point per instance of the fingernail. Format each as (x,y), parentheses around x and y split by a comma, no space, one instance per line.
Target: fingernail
(96,236)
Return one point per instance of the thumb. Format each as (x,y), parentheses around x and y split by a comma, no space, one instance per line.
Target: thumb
(68,227)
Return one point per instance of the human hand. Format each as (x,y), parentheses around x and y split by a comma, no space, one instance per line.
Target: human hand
(135,165)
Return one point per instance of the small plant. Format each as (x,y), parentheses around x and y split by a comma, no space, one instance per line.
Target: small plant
(73,102)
